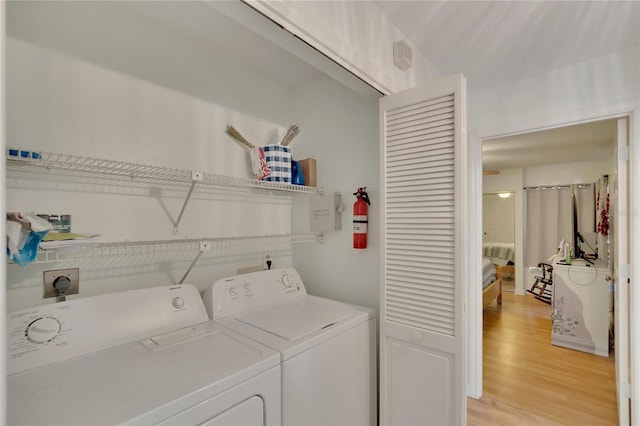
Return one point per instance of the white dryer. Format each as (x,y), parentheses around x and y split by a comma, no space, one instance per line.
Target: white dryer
(327,348)
(147,356)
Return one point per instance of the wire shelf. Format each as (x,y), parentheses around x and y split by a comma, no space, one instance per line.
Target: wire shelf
(161,247)
(21,160)
(18,158)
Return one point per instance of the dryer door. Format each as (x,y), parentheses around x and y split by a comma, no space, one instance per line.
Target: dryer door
(255,402)
(249,412)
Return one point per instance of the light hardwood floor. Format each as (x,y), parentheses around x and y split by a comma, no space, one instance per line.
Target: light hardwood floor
(528,381)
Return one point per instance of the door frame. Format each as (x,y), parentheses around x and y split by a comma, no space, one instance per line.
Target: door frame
(474,317)
(3,245)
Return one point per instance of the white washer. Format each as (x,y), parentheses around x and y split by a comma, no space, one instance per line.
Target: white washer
(146,356)
(327,348)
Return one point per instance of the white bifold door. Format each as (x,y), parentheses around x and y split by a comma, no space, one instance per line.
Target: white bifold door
(423,178)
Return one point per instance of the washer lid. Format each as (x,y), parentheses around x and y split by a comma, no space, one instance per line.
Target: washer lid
(143,382)
(293,320)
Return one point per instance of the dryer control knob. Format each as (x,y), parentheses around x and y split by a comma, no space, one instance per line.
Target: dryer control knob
(177,302)
(43,330)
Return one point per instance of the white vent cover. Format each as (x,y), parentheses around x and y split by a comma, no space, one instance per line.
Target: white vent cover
(402,55)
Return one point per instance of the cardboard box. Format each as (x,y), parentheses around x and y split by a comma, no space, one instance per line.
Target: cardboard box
(309,171)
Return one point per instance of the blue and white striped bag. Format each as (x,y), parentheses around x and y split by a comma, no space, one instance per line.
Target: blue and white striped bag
(278,159)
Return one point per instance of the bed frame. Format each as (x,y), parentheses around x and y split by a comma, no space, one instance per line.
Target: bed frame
(509,270)
(493,290)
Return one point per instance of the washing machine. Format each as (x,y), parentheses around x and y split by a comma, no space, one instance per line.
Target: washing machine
(149,356)
(327,348)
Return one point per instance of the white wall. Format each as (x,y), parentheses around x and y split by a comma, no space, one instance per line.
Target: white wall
(498,218)
(601,86)
(62,103)
(342,136)
(152,96)
(569,173)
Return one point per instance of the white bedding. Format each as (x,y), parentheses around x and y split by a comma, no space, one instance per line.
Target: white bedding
(488,272)
(499,253)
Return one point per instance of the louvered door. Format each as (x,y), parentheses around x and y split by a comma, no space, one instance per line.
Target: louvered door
(421,317)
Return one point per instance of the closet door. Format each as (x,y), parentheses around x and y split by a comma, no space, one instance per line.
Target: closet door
(423,159)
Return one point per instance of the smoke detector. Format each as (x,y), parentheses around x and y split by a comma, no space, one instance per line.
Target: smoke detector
(402,55)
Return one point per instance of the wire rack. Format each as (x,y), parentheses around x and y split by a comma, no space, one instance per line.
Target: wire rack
(161,247)
(20,158)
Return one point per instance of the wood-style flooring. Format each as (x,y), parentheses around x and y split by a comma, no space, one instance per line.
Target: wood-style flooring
(508,285)
(528,381)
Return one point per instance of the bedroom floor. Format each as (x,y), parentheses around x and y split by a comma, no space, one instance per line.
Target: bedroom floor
(528,381)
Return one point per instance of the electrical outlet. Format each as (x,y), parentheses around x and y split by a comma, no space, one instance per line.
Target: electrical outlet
(50,277)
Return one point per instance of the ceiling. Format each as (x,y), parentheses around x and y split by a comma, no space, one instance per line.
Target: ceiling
(583,142)
(498,42)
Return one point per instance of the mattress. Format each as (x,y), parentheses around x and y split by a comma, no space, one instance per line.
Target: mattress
(488,272)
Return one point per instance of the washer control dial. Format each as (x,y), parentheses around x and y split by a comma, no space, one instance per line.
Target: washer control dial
(43,330)
(178,302)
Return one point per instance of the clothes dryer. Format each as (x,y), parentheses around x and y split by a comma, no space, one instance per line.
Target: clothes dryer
(327,348)
(146,356)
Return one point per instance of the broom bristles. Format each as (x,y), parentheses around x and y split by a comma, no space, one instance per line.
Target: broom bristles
(291,133)
(237,136)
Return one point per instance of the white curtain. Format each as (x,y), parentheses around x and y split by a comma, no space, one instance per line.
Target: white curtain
(550,219)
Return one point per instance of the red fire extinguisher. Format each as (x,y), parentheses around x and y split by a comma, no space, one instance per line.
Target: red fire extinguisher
(360,219)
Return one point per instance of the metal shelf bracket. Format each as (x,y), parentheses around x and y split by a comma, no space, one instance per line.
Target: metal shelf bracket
(204,246)
(195,178)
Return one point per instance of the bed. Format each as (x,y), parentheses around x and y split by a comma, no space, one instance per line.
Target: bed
(491,282)
(501,254)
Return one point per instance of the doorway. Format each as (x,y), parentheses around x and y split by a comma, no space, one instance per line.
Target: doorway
(498,234)
(548,157)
